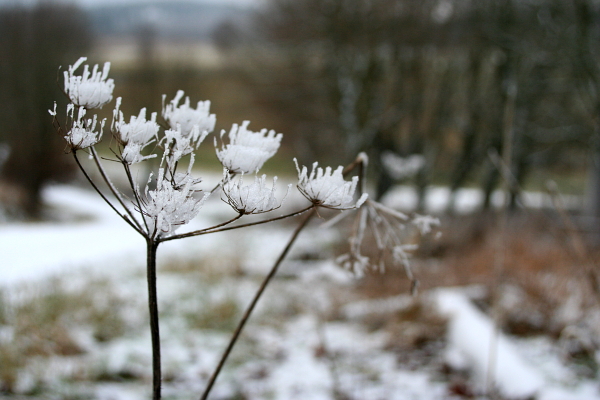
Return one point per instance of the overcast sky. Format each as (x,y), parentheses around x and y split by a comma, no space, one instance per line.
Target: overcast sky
(94,3)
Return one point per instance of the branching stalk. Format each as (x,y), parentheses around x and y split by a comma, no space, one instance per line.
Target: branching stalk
(89,179)
(112,188)
(135,193)
(218,228)
(254,301)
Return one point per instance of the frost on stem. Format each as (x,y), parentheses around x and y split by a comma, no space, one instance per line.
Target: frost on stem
(178,145)
(91,89)
(247,151)
(82,132)
(173,203)
(255,198)
(135,135)
(327,188)
(390,231)
(186,117)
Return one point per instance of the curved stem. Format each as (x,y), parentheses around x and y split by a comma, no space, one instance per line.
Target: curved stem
(202,231)
(136,195)
(217,229)
(253,303)
(112,188)
(104,197)
(151,247)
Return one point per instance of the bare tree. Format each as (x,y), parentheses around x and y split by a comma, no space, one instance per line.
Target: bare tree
(34,40)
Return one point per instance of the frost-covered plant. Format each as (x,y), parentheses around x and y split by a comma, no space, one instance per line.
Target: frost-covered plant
(171,197)
(91,89)
(186,117)
(328,189)
(82,133)
(247,151)
(255,198)
(135,134)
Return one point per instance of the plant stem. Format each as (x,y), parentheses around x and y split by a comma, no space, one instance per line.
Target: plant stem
(217,229)
(254,301)
(153,308)
(112,188)
(125,218)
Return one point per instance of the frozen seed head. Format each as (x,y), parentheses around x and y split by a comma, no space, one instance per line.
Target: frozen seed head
(135,135)
(138,129)
(170,205)
(247,151)
(255,198)
(327,188)
(179,145)
(83,132)
(91,89)
(186,117)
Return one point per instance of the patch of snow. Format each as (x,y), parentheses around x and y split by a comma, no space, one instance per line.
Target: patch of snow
(473,335)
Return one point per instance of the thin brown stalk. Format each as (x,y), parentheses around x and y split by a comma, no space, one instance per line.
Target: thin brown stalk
(112,188)
(135,194)
(218,229)
(89,179)
(254,301)
(151,247)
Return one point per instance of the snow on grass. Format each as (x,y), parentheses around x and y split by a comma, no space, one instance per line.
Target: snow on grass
(475,344)
(468,200)
(472,335)
(291,348)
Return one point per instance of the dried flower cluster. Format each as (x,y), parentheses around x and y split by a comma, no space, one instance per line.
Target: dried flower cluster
(171,198)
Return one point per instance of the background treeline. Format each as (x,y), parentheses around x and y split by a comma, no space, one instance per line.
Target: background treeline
(463,83)
(460,82)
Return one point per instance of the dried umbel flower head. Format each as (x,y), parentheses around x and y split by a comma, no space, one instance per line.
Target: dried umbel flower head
(91,89)
(178,145)
(255,198)
(390,231)
(82,133)
(134,135)
(186,117)
(170,205)
(327,188)
(247,151)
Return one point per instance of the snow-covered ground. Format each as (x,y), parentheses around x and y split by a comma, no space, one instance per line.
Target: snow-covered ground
(293,349)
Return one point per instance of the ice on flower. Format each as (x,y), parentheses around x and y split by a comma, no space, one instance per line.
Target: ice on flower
(327,188)
(247,151)
(138,129)
(180,145)
(135,135)
(188,118)
(170,205)
(83,131)
(255,198)
(91,89)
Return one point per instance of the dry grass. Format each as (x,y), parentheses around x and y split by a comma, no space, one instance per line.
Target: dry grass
(43,320)
(537,281)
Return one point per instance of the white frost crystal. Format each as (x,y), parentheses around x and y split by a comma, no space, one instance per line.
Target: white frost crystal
(255,198)
(180,145)
(188,118)
(170,205)
(82,133)
(247,151)
(135,135)
(91,89)
(328,188)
